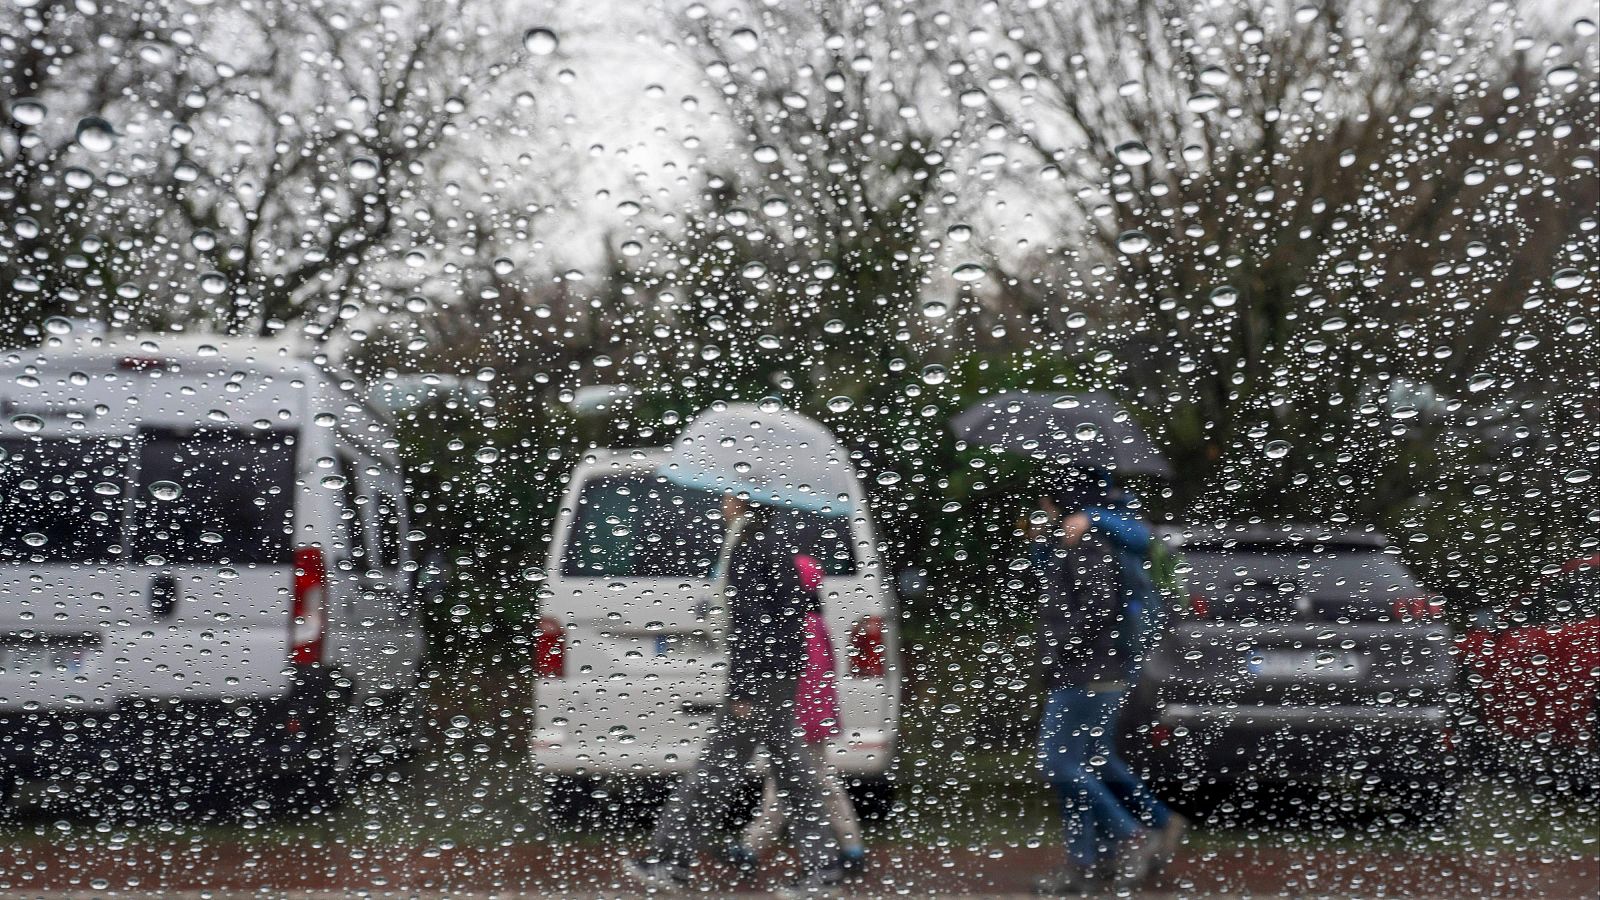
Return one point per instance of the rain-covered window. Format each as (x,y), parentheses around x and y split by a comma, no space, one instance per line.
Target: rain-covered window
(214,497)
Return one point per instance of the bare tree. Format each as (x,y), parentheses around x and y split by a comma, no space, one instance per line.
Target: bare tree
(1286,222)
(268,163)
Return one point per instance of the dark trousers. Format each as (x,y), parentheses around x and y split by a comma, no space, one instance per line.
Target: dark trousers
(700,804)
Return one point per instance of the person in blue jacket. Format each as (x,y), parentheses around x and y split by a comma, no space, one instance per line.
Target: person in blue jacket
(1117,520)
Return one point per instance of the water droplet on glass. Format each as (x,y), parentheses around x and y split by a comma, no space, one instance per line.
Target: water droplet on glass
(165,490)
(540,41)
(1224,297)
(487,455)
(933,374)
(766,153)
(34,539)
(96,134)
(27,424)
(213,282)
(28,111)
(840,404)
(973,99)
(1213,76)
(1567,279)
(1525,342)
(1561,76)
(1204,102)
(203,240)
(58,326)
(1577,476)
(753,270)
(1480,382)
(935,309)
(363,168)
(1133,242)
(745,39)
(1576,325)
(775,206)
(1133,153)
(333,482)
(968,272)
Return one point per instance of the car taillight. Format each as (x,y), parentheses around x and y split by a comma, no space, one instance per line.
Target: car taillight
(550,649)
(1199,606)
(1418,609)
(308,616)
(866,648)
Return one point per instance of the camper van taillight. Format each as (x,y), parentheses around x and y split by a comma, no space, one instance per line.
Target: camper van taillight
(308,617)
(866,648)
(550,649)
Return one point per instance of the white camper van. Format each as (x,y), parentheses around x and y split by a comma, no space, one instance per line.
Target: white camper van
(205,567)
(628,674)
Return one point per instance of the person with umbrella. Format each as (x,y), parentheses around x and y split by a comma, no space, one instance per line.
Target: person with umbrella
(1088,550)
(1085,641)
(751,456)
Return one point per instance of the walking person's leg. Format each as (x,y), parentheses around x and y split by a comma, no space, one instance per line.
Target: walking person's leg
(1093,822)
(798,783)
(1125,846)
(700,803)
(1129,789)
(841,812)
(1139,799)
(763,830)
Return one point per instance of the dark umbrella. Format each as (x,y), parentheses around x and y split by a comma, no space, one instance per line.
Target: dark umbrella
(1084,431)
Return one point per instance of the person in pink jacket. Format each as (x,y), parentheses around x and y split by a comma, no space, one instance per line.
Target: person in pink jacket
(817,716)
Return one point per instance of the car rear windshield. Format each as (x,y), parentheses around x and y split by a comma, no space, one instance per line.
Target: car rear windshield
(647,527)
(221,497)
(1276,583)
(61,499)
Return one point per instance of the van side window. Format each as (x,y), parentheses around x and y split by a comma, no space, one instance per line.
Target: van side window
(386,512)
(352,515)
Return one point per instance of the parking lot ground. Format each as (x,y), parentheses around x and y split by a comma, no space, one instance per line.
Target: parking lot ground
(273,869)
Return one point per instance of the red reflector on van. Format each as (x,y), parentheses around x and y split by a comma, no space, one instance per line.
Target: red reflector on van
(550,649)
(308,614)
(867,651)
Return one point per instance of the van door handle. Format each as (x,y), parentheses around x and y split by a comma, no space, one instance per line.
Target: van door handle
(700,709)
(163,595)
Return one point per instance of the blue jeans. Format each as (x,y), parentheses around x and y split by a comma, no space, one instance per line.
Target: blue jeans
(1131,791)
(1073,736)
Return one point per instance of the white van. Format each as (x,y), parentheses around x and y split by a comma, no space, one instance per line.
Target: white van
(627,676)
(205,567)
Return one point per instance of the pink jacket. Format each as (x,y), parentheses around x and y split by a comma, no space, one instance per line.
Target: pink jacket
(816,697)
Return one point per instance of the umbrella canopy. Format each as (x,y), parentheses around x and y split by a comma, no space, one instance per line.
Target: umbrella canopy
(777,456)
(1083,430)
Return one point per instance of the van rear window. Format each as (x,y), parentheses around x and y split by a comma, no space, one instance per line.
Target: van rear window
(61,499)
(214,497)
(645,526)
